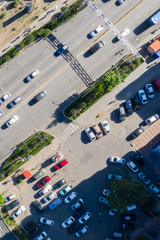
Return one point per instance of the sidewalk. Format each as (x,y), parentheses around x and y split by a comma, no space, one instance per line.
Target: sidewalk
(44,17)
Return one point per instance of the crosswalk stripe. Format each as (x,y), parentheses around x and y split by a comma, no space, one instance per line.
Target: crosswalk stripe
(64,137)
(70,129)
(66,132)
(76,127)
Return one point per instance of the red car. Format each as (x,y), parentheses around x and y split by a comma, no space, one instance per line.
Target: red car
(157,84)
(43,182)
(150,213)
(61,164)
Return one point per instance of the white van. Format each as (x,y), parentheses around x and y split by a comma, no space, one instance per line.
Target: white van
(118,235)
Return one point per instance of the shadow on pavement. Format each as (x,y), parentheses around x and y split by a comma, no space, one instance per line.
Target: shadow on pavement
(14,18)
(46,163)
(87,54)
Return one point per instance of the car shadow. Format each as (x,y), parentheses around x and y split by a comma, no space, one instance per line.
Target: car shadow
(89,36)
(84,138)
(46,163)
(115,116)
(53,170)
(25,80)
(55,54)
(129,138)
(87,54)
(36,196)
(4,126)
(30,180)
(31,102)
(115,40)
(35,188)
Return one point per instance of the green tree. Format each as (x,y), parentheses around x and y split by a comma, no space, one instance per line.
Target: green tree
(16,2)
(1,199)
(46,32)
(125,192)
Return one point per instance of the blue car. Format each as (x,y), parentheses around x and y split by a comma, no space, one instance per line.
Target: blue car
(62,49)
(129,107)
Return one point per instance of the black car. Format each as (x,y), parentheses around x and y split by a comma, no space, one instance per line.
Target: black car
(39,206)
(97,46)
(80,212)
(126,226)
(128,217)
(30,226)
(39,96)
(129,108)
(137,132)
(74,228)
(138,158)
(12,205)
(36,231)
(136,102)
(59,183)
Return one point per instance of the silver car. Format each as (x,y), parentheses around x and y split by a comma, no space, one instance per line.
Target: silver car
(12,120)
(14,102)
(90,134)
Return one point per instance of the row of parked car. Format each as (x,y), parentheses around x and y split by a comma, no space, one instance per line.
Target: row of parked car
(95,132)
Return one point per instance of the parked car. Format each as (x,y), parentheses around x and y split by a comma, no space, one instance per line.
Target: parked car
(39,206)
(43,181)
(119,235)
(14,102)
(50,197)
(9,198)
(39,96)
(37,230)
(125,32)
(97,131)
(112,212)
(144,178)
(45,190)
(12,120)
(68,222)
(132,166)
(77,204)
(61,164)
(136,102)
(121,113)
(103,200)
(105,127)
(142,96)
(129,108)
(42,236)
(57,157)
(32,75)
(39,174)
(152,119)
(4,98)
(55,203)
(30,226)
(84,218)
(138,158)
(90,134)
(80,211)
(149,90)
(150,213)
(70,197)
(1,113)
(128,217)
(59,184)
(157,84)
(117,160)
(97,46)
(121,1)
(126,226)
(94,32)
(74,228)
(137,132)
(46,221)
(155,190)
(106,192)
(65,189)
(12,205)
(114,177)
(63,49)
(82,231)
(18,212)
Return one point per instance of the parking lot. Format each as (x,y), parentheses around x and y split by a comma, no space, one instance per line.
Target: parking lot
(88,166)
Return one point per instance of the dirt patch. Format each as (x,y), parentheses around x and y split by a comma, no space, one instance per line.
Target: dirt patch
(13,20)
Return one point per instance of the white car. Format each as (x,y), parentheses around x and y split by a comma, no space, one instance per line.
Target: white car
(142,96)
(77,204)
(68,222)
(1,113)
(12,120)
(132,166)
(57,157)
(18,212)
(32,75)
(45,190)
(46,221)
(155,190)
(4,97)
(105,127)
(84,218)
(103,200)
(50,197)
(70,197)
(121,1)
(117,160)
(106,192)
(152,119)
(90,134)
(149,90)
(96,31)
(144,178)
(124,33)
(82,231)
(114,177)
(112,212)
(42,236)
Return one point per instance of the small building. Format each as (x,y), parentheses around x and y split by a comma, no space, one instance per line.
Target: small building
(154,47)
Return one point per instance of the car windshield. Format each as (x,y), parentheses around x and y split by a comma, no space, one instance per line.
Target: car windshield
(99,133)
(59,165)
(89,131)
(105,124)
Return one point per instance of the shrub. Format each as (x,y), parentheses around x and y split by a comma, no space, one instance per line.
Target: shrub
(1,199)
(16,2)
(30,39)
(46,32)
(3,15)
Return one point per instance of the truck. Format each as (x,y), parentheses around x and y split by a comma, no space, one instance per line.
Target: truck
(154,19)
